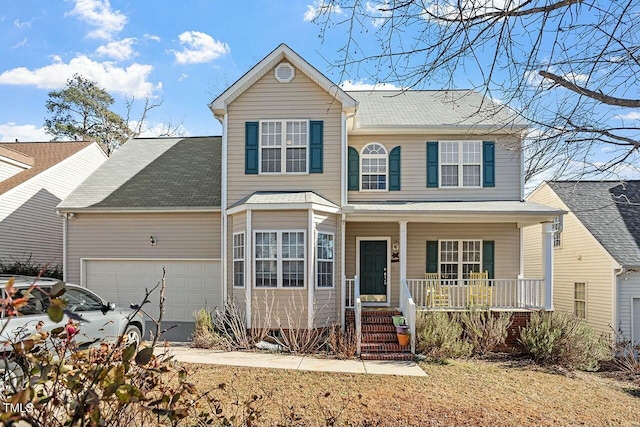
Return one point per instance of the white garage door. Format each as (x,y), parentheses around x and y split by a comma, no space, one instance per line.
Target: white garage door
(190,285)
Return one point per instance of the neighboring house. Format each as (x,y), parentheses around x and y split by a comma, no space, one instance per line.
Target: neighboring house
(327,198)
(596,252)
(34,178)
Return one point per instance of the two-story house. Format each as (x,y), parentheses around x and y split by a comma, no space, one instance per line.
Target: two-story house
(327,201)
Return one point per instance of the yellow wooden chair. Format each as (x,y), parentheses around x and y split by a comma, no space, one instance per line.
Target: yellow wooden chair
(439,295)
(479,291)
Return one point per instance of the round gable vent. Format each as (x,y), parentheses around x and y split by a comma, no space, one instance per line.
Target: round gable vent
(285,72)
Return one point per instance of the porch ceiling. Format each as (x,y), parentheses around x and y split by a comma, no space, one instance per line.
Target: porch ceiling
(522,213)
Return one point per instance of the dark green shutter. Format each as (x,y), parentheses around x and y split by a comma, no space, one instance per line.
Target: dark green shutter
(432,256)
(488,257)
(432,164)
(489,163)
(394,169)
(354,169)
(315,143)
(251,148)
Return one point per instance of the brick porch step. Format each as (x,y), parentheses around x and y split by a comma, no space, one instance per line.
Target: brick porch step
(379,337)
(384,347)
(378,327)
(386,356)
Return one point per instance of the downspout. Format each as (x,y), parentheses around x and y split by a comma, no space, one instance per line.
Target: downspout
(310,271)
(223,210)
(617,272)
(343,161)
(64,247)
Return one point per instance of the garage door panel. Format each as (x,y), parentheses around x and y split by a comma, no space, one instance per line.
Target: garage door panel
(188,284)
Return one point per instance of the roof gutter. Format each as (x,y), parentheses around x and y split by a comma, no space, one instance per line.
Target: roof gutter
(140,210)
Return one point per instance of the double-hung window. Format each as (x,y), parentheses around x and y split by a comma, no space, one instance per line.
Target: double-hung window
(557,232)
(374,167)
(460,163)
(324,260)
(284,146)
(238,260)
(580,299)
(279,259)
(458,258)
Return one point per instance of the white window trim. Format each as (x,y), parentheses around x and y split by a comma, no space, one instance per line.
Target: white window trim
(283,147)
(460,261)
(279,260)
(460,164)
(234,259)
(586,286)
(333,260)
(386,156)
(557,232)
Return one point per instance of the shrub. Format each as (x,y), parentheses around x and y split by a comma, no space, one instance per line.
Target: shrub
(484,331)
(558,338)
(439,335)
(204,334)
(30,268)
(342,343)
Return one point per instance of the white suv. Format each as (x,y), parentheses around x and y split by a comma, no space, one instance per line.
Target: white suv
(98,320)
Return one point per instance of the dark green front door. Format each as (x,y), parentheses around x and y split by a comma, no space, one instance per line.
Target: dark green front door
(373,270)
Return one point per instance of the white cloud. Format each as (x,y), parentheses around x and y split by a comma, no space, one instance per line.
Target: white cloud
(361,85)
(22,43)
(199,48)
(119,50)
(98,13)
(183,76)
(379,12)
(318,8)
(131,80)
(25,24)
(152,37)
(9,132)
(633,115)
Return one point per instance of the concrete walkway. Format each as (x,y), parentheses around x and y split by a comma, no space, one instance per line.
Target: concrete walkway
(287,361)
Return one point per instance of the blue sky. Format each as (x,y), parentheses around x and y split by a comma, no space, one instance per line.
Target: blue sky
(184,53)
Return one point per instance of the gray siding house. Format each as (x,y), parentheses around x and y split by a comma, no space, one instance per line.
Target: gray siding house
(331,202)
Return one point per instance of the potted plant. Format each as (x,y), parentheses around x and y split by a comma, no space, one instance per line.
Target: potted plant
(404,339)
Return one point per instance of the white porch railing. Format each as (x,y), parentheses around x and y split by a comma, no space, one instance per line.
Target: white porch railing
(459,294)
(350,299)
(358,313)
(408,308)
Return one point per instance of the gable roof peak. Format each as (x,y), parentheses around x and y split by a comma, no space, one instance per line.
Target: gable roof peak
(283,52)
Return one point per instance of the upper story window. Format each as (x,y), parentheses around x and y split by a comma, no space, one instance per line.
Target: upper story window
(460,163)
(374,167)
(284,146)
(557,232)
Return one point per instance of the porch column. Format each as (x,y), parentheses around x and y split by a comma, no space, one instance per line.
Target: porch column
(547,264)
(403,255)
(248,268)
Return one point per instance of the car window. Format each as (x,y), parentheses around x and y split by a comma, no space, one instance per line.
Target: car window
(81,300)
(37,301)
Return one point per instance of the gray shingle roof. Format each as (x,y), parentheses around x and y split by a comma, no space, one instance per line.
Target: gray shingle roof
(610,211)
(382,108)
(284,197)
(154,173)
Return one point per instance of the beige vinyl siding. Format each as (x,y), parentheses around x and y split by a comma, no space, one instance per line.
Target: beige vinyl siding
(414,171)
(269,99)
(365,230)
(236,224)
(628,289)
(126,236)
(29,224)
(532,247)
(327,300)
(505,236)
(580,258)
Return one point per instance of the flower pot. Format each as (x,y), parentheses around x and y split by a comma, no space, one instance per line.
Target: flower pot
(397,320)
(404,339)
(402,329)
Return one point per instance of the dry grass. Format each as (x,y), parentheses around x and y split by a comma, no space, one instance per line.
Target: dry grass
(474,392)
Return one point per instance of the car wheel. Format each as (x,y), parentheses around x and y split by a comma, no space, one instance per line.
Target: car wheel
(132,335)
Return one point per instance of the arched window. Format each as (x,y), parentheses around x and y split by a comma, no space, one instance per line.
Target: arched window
(374,167)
